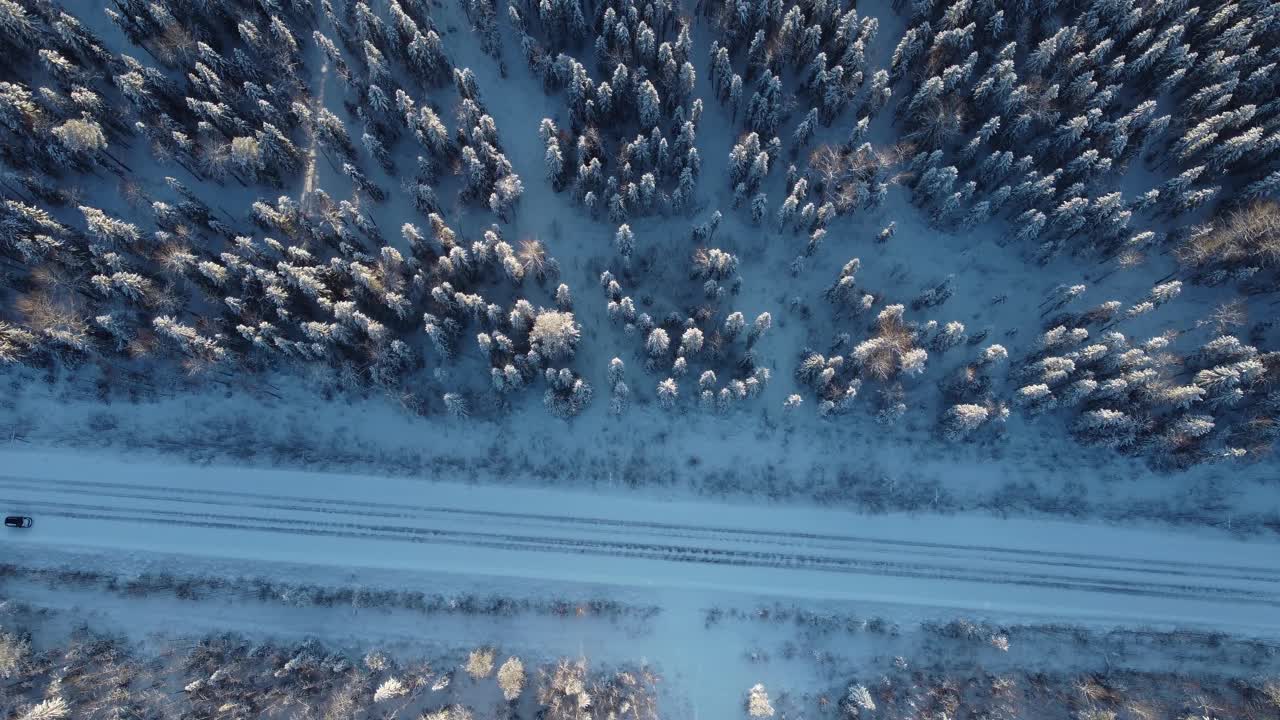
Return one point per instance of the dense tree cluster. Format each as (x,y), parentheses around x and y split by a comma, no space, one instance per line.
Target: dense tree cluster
(92,675)
(320,284)
(625,146)
(894,353)
(1139,396)
(1035,111)
(1032,112)
(1110,130)
(718,351)
(908,688)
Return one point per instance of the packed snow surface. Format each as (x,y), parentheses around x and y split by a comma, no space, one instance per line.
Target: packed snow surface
(1023,567)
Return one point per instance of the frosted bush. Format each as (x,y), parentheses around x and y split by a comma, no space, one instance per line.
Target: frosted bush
(758,702)
(81,136)
(389,690)
(555,333)
(480,663)
(511,678)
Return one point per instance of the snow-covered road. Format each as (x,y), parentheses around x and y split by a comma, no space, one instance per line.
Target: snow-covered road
(997,567)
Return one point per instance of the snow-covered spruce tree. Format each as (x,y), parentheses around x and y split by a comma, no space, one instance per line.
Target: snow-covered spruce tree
(619,392)
(567,394)
(691,342)
(657,343)
(200,350)
(1111,428)
(759,208)
(935,295)
(762,323)
(713,264)
(624,242)
(15,343)
(564,298)
(845,294)
(668,391)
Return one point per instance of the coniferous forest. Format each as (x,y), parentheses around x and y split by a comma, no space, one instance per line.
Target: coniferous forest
(916,259)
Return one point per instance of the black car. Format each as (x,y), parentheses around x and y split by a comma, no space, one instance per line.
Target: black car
(17,521)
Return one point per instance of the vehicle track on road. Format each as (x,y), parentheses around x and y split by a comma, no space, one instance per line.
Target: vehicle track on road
(770,538)
(1008,573)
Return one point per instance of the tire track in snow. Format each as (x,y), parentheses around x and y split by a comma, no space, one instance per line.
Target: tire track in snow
(647,551)
(769,538)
